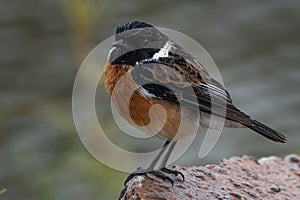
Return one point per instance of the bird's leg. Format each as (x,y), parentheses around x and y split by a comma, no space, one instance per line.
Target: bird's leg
(151,167)
(163,164)
(157,157)
(167,156)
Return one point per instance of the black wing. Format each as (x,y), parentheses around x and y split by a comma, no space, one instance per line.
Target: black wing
(171,78)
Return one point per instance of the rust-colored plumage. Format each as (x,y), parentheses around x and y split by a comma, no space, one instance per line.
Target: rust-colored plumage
(165,122)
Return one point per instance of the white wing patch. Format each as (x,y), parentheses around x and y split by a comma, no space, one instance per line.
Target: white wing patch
(163,53)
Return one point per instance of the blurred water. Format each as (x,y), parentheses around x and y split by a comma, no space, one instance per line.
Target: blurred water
(255,45)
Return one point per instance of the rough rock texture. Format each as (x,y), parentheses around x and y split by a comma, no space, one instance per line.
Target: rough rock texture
(235,178)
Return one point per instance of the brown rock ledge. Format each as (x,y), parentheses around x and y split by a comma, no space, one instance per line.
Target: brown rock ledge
(235,178)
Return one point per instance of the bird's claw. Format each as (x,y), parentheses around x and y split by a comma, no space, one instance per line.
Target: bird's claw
(174,172)
(158,173)
(139,171)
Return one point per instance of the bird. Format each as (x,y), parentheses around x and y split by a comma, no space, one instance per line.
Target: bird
(162,72)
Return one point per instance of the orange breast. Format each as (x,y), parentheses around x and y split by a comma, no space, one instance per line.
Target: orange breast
(134,106)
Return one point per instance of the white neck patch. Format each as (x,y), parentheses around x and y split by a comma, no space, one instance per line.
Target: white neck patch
(163,53)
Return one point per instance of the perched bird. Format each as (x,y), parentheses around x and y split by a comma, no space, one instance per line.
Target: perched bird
(162,72)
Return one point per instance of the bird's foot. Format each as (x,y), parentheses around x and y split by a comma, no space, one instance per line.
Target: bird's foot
(138,172)
(174,172)
(161,173)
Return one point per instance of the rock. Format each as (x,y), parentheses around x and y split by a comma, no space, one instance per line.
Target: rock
(235,178)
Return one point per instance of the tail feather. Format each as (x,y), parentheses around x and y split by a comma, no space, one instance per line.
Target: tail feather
(267,131)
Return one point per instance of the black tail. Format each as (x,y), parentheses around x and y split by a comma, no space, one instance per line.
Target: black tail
(267,131)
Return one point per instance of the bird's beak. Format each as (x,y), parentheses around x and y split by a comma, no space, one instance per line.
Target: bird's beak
(120,44)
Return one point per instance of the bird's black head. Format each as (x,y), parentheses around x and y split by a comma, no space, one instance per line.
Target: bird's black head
(136,41)
(131,25)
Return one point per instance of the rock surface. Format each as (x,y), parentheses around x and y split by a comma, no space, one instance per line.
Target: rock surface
(235,178)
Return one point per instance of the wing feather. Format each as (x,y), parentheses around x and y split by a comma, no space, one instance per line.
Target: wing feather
(172,78)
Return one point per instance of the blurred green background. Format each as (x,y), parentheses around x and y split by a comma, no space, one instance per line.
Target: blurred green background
(255,44)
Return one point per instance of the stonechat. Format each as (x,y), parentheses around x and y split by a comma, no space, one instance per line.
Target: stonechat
(160,71)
